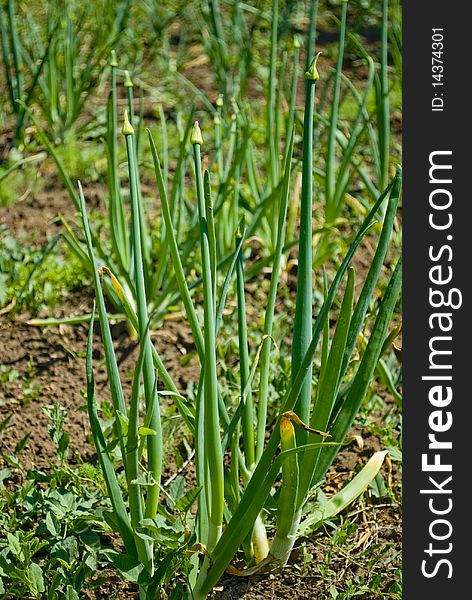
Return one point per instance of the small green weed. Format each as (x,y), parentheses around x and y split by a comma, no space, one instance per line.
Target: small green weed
(27,387)
(51,283)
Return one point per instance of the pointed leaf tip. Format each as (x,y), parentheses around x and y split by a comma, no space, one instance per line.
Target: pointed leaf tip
(196,137)
(113,59)
(128,82)
(127,127)
(312,73)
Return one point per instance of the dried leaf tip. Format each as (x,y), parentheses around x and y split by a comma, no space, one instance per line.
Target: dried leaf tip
(312,73)
(127,127)
(196,137)
(113,59)
(128,83)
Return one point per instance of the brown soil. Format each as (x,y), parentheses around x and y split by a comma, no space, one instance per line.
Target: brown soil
(55,357)
(38,214)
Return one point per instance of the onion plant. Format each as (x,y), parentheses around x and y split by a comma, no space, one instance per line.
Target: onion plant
(54,60)
(73,70)
(116,252)
(231,76)
(382,92)
(379,138)
(249,178)
(15,65)
(343,167)
(236,464)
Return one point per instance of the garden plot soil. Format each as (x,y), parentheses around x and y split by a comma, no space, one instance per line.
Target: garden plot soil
(53,359)
(55,356)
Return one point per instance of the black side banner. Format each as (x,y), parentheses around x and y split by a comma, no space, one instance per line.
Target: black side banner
(437,324)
